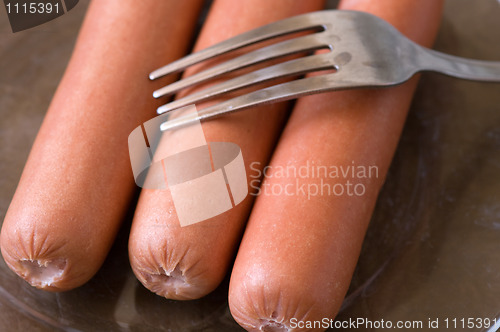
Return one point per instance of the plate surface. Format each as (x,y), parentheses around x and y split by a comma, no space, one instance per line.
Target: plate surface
(432,250)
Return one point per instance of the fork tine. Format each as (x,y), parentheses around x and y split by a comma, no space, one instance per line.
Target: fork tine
(281,92)
(292,46)
(272,30)
(293,67)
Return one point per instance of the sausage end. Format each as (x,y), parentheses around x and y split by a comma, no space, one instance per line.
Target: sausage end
(170,271)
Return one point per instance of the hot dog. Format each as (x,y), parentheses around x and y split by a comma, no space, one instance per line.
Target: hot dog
(77,182)
(298,252)
(188,262)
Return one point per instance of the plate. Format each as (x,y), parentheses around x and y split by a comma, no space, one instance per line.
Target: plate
(431,252)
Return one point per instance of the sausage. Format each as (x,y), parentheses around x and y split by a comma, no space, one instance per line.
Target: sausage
(77,182)
(188,262)
(298,253)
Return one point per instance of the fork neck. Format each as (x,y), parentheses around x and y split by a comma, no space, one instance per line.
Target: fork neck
(477,70)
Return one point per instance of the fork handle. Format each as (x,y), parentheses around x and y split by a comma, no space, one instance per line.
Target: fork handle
(477,70)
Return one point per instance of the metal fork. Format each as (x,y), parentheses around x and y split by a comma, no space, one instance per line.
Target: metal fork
(365,51)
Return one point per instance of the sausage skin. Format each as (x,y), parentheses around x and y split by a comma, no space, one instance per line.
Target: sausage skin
(298,253)
(77,182)
(188,262)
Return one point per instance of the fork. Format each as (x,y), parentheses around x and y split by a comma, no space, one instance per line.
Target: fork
(365,51)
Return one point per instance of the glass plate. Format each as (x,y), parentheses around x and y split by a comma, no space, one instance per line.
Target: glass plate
(432,249)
